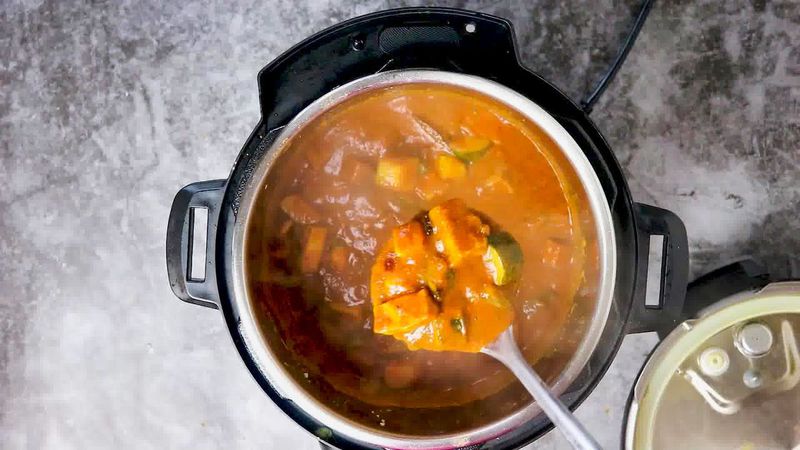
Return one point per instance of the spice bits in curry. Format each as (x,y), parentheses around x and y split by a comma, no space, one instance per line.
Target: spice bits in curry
(434,284)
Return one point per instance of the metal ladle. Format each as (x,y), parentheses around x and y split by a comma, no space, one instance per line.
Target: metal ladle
(505,350)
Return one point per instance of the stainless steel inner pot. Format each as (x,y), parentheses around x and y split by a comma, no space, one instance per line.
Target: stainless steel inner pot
(273,369)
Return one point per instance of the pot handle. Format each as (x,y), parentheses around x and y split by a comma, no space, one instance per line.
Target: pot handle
(185,285)
(667,313)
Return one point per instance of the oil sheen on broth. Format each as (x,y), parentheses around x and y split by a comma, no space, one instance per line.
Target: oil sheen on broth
(330,202)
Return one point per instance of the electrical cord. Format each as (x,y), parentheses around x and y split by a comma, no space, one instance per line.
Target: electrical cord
(588,102)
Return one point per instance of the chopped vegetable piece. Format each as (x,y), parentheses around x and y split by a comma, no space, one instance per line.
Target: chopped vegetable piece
(392,276)
(339,256)
(409,240)
(399,374)
(386,284)
(299,210)
(459,230)
(404,313)
(450,168)
(470,148)
(312,250)
(399,174)
(503,258)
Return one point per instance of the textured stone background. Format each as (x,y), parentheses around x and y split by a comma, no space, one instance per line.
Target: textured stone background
(107,108)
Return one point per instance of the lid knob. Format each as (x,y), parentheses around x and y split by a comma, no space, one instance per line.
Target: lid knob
(754,340)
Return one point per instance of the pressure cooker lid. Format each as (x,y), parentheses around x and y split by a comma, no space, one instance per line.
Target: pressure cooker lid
(728,379)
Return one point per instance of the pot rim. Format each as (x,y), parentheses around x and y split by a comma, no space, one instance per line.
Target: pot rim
(257,345)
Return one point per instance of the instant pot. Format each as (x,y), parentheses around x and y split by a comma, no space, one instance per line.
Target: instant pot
(472,50)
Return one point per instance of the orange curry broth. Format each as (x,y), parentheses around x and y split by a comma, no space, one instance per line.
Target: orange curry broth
(308,274)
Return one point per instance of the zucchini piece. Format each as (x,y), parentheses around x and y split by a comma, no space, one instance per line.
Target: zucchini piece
(470,148)
(503,258)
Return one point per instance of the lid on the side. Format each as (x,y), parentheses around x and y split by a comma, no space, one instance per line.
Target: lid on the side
(728,379)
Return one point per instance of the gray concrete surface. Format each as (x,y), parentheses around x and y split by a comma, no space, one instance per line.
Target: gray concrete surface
(107,108)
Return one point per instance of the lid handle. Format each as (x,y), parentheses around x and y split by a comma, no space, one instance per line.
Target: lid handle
(741,276)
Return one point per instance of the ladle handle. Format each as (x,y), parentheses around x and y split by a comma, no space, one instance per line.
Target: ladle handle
(505,350)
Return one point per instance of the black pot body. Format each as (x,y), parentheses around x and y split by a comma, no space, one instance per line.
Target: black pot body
(449,40)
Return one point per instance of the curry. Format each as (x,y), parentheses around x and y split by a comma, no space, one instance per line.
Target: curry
(409,220)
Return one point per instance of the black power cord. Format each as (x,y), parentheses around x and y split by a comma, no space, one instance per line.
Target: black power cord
(588,102)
